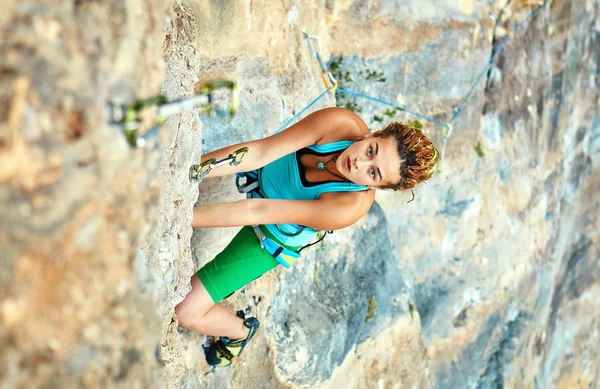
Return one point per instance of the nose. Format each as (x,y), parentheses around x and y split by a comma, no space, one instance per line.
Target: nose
(358,163)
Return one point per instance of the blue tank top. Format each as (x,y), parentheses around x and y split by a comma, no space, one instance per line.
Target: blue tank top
(282,179)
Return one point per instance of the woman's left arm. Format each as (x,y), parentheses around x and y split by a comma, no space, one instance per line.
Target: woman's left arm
(332,211)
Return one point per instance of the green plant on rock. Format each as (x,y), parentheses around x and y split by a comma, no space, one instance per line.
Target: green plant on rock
(417,125)
(411,309)
(479,150)
(485,109)
(347,76)
(370,74)
(392,112)
(352,106)
(335,64)
(372,310)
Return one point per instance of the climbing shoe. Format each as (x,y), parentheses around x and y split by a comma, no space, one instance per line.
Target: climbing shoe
(224,351)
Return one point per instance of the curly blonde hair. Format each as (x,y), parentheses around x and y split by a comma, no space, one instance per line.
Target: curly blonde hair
(418,155)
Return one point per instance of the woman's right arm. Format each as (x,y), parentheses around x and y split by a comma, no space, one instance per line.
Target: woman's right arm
(327,125)
(331,211)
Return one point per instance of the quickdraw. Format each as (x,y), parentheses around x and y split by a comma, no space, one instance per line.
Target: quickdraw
(127,118)
(325,74)
(198,172)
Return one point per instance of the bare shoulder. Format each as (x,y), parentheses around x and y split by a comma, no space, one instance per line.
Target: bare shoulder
(353,204)
(349,125)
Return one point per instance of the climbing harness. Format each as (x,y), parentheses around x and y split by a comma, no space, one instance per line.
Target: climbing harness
(317,241)
(127,118)
(283,255)
(198,172)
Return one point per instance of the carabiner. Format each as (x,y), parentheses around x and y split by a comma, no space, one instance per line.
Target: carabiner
(208,87)
(238,156)
(448,129)
(127,118)
(313,37)
(326,75)
(198,172)
(334,82)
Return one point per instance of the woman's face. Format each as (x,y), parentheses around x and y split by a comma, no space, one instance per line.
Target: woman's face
(372,161)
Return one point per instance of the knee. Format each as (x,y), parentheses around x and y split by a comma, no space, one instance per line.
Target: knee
(194,306)
(184,316)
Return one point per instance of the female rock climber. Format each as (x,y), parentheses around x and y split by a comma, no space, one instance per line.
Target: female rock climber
(319,174)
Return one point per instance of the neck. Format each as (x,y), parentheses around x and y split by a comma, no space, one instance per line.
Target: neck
(334,159)
(338,176)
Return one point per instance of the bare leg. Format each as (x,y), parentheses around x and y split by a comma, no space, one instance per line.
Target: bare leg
(198,313)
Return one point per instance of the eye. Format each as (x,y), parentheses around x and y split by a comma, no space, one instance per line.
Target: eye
(370,151)
(372,173)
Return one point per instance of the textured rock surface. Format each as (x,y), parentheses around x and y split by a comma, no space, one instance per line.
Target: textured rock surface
(76,200)
(483,252)
(490,278)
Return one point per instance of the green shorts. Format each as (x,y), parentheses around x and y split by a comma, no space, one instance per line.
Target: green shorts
(240,263)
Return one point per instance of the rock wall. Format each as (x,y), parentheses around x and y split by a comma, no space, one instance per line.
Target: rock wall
(77,201)
(489,278)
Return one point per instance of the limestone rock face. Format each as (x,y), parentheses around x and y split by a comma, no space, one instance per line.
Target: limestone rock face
(77,201)
(489,278)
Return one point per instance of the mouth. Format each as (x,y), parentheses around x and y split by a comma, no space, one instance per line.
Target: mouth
(347,163)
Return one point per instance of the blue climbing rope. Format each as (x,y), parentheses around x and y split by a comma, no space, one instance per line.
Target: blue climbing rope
(284,125)
(491,61)
(448,128)
(393,105)
(531,16)
(448,125)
